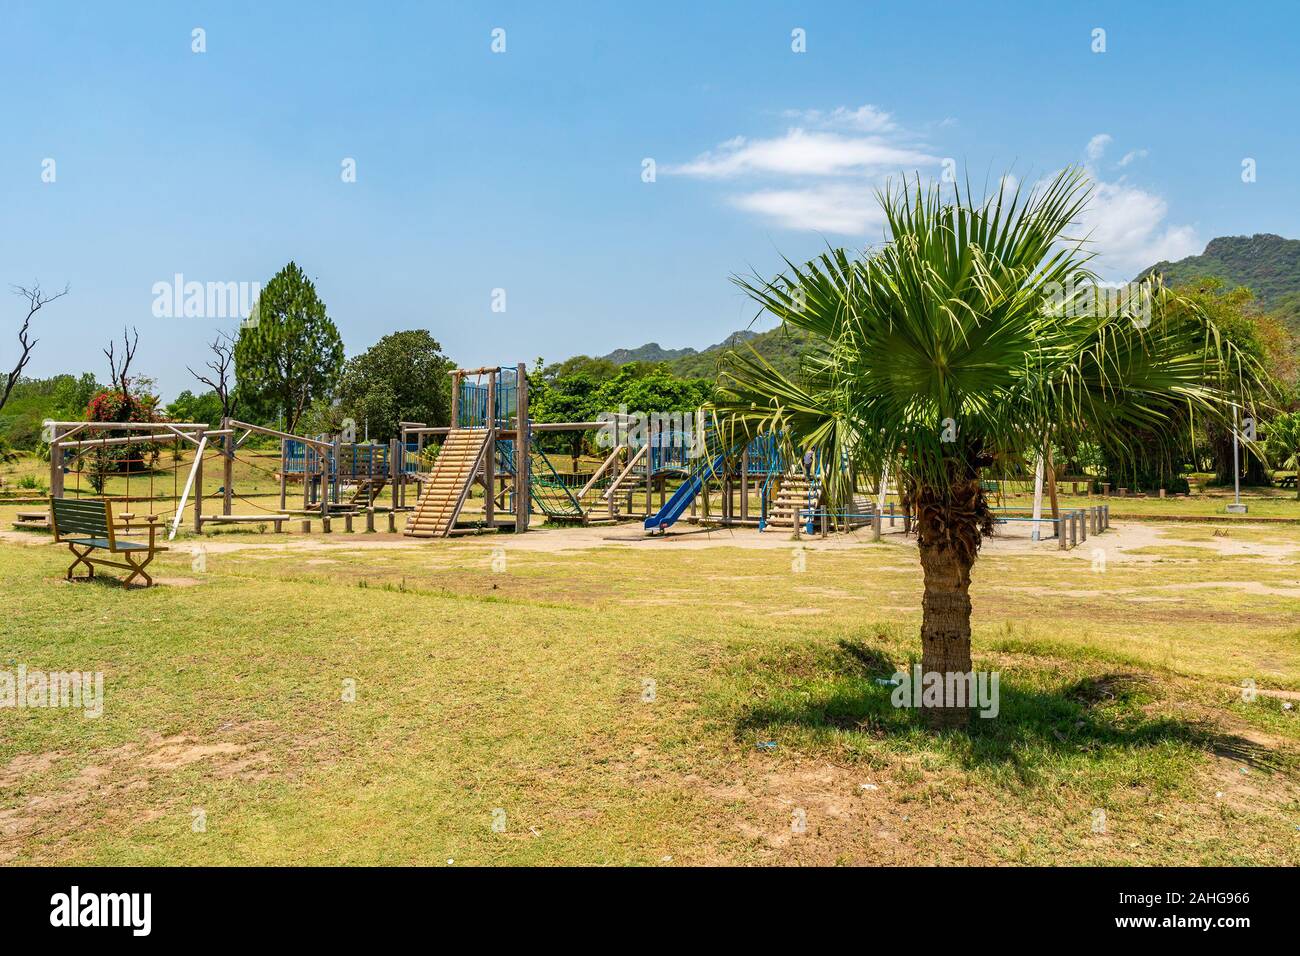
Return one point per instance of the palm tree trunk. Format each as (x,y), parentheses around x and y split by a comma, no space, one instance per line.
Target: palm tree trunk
(945,626)
(950,525)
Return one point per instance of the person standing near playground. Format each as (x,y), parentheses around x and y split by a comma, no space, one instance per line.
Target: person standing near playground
(808,459)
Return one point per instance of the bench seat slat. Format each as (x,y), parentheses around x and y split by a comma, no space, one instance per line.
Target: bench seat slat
(103,543)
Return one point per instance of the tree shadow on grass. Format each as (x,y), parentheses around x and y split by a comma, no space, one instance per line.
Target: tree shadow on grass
(848,695)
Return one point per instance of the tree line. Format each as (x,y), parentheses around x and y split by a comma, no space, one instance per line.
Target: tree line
(284,367)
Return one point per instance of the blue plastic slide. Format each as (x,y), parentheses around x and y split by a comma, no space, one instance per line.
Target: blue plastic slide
(682,498)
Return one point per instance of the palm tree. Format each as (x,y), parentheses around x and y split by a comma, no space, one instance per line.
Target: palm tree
(972,337)
(1283,443)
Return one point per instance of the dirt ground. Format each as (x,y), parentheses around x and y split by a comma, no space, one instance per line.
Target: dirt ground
(1118,542)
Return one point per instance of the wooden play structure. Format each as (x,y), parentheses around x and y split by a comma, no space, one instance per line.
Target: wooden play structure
(486,471)
(493,446)
(327,468)
(488,443)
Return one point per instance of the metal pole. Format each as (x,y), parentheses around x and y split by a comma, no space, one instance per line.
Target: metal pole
(1236,507)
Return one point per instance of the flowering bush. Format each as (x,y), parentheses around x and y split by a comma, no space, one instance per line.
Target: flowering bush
(111,405)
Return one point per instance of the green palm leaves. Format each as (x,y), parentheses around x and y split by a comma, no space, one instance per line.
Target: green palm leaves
(976,334)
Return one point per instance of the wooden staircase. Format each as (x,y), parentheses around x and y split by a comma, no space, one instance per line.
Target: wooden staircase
(796,494)
(448,486)
(367,490)
(629,476)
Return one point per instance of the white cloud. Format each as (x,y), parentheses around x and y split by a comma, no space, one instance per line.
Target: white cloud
(864,119)
(1097,145)
(1127,229)
(819,175)
(823,179)
(849,209)
(803,153)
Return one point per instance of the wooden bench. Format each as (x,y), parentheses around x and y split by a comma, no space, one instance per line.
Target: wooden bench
(88,524)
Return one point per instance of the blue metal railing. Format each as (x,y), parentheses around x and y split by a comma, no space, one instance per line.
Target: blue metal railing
(472,409)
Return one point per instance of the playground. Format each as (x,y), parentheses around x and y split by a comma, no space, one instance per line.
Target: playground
(488,472)
(594,694)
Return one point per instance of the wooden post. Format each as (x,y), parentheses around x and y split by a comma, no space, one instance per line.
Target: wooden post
(392,522)
(617,466)
(306,476)
(394,471)
(227,466)
(419,463)
(370,520)
(347,521)
(333,491)
(744,484)
(1083,525)
(284,473)
(523,451)
(56,464)
(455,399)
(875,523)
(490,456)
(198,485)
(306,526)
(649,464)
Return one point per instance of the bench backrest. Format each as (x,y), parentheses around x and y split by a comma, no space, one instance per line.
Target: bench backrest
(88,518)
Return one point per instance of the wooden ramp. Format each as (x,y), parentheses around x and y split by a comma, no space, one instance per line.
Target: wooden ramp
(445,492)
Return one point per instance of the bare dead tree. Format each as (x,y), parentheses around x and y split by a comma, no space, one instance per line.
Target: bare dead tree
(223,350)
(118,374)
(36,300)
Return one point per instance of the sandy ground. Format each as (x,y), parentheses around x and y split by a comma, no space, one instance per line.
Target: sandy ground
(1116,544)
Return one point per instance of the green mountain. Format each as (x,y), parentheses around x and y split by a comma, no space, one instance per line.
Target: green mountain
(654,352)
(1266,264)
(778,346)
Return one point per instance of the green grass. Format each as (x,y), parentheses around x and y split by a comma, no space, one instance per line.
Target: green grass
(523,691)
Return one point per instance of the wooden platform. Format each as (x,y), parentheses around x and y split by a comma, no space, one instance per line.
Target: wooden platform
(33,520)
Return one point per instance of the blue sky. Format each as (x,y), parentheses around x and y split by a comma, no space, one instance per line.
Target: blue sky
(522,170)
